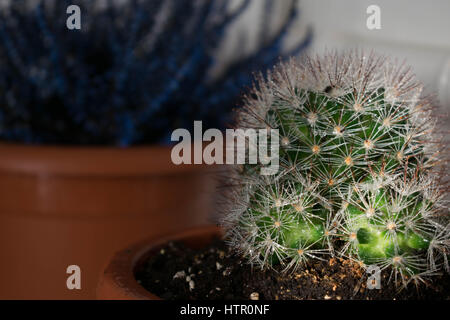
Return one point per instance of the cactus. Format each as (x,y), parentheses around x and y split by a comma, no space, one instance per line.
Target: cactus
(135,71)
(359,170)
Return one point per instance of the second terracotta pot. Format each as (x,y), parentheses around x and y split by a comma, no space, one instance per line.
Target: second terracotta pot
(118,281)
(62,206)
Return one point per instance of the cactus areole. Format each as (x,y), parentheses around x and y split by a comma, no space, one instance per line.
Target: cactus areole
(358,171)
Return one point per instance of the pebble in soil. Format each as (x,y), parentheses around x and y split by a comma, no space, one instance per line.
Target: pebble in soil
(214,272)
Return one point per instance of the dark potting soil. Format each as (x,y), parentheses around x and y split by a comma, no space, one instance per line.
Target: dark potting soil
(177,272)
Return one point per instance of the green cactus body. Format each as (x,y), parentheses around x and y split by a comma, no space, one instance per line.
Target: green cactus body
(357,173)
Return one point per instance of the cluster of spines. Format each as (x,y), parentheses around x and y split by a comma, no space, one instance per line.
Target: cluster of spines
(357,176)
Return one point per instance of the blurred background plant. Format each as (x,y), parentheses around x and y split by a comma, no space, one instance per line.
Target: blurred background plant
(134,72)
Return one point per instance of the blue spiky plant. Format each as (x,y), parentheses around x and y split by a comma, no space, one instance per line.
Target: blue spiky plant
(135,71)
(361,171)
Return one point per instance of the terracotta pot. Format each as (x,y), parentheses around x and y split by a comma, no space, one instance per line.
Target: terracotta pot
(62,206)
(118,281)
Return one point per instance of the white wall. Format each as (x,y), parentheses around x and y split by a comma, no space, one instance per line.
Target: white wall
(416,30)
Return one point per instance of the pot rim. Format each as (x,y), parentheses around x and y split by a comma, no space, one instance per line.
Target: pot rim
(118,281)
(90,160)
